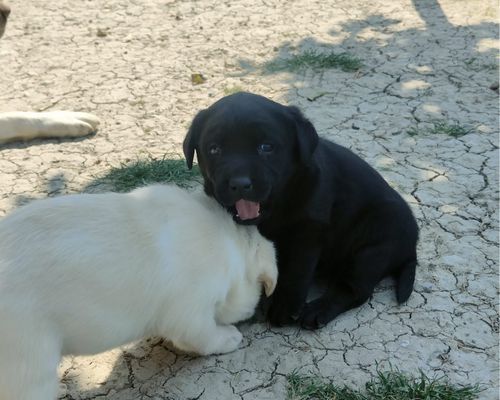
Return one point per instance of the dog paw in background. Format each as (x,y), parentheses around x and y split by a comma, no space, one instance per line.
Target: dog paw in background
(31,125)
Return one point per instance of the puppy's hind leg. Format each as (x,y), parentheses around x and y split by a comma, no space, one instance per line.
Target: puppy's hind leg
(368,267)
(338,299)
(210,339)
(28,363)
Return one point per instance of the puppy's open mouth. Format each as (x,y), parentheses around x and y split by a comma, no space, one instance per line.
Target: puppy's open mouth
(247,211)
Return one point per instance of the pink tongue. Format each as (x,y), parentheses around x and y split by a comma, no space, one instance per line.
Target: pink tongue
(247,209)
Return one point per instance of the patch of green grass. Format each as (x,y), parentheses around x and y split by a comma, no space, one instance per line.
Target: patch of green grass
(392,385)
(441,128)
(232,89)
(315,60)
(313,388)
(168,169)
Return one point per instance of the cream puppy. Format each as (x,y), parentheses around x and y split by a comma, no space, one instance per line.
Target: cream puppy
(84,273)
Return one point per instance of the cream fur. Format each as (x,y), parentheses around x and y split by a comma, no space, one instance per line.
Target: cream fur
(81,274)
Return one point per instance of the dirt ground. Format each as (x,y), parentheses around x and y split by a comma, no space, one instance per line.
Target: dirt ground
(427,69)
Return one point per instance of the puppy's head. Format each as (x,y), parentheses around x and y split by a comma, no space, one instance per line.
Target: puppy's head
(260,271)
(4,14)
(248,148)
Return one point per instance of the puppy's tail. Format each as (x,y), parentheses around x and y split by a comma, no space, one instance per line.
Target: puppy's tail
(405,277)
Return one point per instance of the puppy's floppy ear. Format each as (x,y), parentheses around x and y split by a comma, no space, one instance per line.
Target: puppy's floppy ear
(307,137)
(190,143)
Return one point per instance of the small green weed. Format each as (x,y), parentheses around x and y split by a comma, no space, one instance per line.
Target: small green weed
(412,131)
(315,60)
(427,92)
(474,64)
(169,169)
(470,61)
(455,130)
(392,385)
(440,127)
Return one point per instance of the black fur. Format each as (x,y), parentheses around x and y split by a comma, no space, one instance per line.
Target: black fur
(328,212)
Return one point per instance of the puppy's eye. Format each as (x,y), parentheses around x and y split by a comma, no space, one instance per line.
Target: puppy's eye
(214,150)
(265,148)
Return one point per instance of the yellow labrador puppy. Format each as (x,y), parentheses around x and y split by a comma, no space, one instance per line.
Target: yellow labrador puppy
(84,273)
(32,125)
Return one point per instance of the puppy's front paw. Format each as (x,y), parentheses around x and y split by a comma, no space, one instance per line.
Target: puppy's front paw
(229,338)
(283,311)
(318,313)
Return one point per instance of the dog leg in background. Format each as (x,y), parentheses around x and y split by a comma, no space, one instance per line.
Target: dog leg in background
(33,125)
(29,357)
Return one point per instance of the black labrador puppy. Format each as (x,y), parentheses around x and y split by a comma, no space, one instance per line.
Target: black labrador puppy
(328,212)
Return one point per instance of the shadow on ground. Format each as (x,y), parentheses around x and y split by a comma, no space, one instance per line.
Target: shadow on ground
(383,45)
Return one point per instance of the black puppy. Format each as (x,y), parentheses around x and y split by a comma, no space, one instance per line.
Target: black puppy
(328,211)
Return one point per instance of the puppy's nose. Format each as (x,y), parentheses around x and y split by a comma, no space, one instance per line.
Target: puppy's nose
(241,184)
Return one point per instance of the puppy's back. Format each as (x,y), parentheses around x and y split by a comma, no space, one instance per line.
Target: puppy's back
(129,253)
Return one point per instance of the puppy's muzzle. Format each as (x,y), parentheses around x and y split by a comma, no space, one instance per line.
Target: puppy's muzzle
(240,186)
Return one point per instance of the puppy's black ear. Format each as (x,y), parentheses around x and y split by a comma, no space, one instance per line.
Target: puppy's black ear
(307,137)
(190,143)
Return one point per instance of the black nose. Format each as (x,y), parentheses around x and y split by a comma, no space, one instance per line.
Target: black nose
(241,184)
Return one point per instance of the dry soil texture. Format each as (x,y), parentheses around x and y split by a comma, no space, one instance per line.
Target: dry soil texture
(425,64)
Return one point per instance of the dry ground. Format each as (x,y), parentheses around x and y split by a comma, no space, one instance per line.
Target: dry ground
(130,62)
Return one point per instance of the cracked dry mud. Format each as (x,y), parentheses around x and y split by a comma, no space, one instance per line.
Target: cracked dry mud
(130,62)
